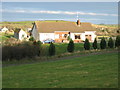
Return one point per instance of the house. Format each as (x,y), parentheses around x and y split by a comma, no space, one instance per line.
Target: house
(20,34)
(4,29)
(59,31)
(28,29)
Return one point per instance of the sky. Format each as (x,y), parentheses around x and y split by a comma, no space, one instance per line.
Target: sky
(94,12)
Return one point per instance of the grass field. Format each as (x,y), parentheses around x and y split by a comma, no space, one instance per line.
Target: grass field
(96,71)
(62,48)
(4,36)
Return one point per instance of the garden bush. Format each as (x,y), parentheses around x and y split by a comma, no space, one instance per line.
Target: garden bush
(86,44)
(95,44)
(19,51)
(51,49)
(110,43)
(117,41)
(103,43)
(70,47)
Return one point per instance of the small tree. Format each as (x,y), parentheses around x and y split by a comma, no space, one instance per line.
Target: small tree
(95,44)
(117,41)
(51,49)
(68,38)
(103,43)
(110,43)
(87,44)
(70,47)
(38,43)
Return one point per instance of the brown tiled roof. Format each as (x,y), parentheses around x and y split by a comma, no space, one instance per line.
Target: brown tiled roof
(50,27)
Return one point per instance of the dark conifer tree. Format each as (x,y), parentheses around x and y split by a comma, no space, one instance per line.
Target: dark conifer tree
(103,43)
(70,47)
(110,43)
(86,44)
(51,49)
(95,44)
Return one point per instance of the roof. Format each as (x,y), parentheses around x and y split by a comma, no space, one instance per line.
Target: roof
(50,27)
(17,30)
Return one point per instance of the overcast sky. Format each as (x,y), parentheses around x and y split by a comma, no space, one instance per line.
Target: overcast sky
(99,12)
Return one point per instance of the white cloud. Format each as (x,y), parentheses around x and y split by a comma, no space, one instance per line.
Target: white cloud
(60,12)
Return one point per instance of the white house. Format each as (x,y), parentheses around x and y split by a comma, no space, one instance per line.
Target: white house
(4,29)
(60,30)
(20,34)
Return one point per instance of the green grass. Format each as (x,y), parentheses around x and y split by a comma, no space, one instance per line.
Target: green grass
(96,71)
(4,36)
(62,48)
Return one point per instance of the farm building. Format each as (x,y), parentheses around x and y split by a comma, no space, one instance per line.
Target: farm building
(20,34)
(4,29)
(59,31)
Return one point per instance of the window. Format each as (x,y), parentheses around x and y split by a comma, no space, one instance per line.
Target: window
(23,36)
(77,37)
(65,35)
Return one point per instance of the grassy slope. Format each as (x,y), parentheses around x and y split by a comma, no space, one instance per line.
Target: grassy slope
(4,37)
(90,72)
(62,48)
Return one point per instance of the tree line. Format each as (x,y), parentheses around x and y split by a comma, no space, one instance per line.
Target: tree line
(34,48)
(87,45)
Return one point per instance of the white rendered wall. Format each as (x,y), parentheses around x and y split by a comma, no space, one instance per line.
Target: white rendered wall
(44,36)
(21,33)
(82,35)
(92,33)
(4,29)
(73,35)
(35,33)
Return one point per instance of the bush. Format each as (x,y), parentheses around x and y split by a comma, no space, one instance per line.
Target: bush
(70,47)
(103,43)
(51,49)
(117,41)
(86,44)
(110,43)
(19,51)
(31,39)
(68,38)
(95,44)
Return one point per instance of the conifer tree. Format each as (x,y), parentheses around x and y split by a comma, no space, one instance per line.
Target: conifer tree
(95,44)
(70,47)
(51,49)
(117,41)
(86,44)
(103,43)
(110,43)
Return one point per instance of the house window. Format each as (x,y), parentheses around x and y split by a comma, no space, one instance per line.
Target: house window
(65,35)
(23,36)
(77,36)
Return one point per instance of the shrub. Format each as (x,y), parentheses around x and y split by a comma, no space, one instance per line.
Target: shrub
(39,43)
(110,43)
(117,41)
(86,44)
(31,39)
(70,47)
(19,51)
(68,38)
(103,43)
(51,49)
(95,44)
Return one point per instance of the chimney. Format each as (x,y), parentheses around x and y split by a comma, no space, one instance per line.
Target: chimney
(78,22)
